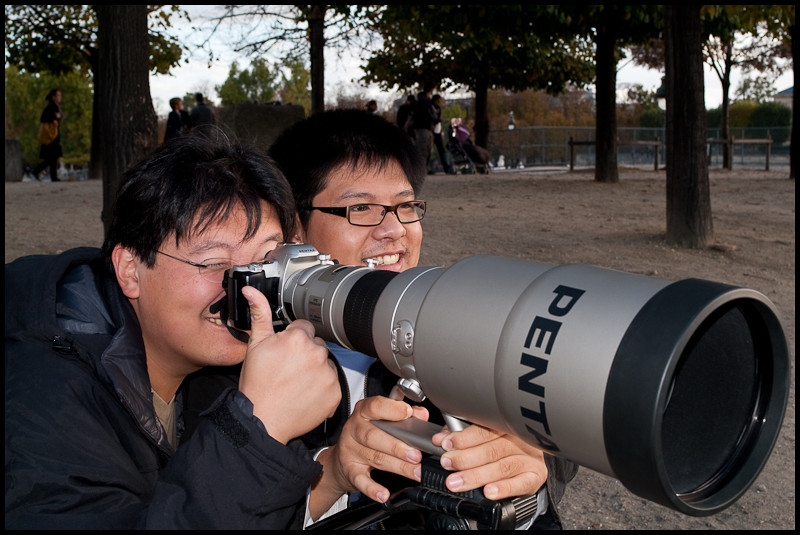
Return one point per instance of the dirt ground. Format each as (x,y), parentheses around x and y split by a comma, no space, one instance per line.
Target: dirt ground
(558,218)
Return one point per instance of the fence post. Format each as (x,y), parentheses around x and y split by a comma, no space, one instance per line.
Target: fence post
(658,149)
(769,148)
(571,154)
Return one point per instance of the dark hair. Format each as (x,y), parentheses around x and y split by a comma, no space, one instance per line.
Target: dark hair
(51,94)
(187,185)
(308,151)
(198,97)
(174,102)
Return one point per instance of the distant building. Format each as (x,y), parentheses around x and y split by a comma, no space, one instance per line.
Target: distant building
(784,97)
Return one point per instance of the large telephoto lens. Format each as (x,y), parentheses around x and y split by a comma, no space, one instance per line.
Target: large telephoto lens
(676,389)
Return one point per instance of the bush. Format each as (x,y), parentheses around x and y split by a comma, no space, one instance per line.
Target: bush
(740,112)
(652,117)
(771,115)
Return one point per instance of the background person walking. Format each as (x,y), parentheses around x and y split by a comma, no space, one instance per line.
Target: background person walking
(202,117)
(49,135)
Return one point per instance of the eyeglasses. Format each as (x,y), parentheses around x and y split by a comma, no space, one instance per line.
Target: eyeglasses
(212,269)
(372,215)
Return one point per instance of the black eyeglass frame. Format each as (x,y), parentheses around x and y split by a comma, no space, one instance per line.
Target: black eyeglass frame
(344,211)
(195,264)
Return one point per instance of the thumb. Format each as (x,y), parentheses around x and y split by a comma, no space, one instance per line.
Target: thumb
(260,315)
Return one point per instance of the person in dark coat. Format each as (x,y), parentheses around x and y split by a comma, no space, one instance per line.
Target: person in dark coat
(99,342)
(424,120)
(50,152)
(438,134)
(175,120)
(405,115)
(202,117)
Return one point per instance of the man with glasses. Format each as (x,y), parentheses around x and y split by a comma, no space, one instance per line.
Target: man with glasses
(99,342)
(355,179)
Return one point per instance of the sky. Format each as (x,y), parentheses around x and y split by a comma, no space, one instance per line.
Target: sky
(340,73)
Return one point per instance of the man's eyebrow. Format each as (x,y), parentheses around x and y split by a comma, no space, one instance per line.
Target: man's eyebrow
(278,236)
(205,246)
(369,196)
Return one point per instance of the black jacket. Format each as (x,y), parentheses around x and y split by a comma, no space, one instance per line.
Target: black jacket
(424,114)
(84,448)
(53,149)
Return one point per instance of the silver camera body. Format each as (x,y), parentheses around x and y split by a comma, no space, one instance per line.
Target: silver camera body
(270,278)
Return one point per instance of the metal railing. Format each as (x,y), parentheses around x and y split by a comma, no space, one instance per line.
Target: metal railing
(570,147)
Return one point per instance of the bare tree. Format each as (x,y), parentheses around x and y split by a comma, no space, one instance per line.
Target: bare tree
(292,32)
(751,50)
(128,124)
(688,197)
(63,38)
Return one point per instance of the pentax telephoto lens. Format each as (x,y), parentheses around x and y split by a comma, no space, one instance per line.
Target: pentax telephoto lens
(677,389)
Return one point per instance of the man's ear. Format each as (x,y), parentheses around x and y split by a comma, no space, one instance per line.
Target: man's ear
(126,265)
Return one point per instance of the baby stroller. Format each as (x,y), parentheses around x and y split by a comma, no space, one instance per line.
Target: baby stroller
(467,157)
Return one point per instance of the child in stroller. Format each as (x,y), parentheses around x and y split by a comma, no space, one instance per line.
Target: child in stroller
(467,157)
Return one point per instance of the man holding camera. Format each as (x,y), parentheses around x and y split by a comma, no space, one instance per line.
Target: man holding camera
(98,343)
(362,168)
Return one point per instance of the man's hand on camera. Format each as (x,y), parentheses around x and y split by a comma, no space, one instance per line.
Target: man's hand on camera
(361,447)
(287,375)
(502,464)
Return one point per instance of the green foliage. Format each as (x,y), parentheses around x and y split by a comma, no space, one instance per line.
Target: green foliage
(260,84)
(772,114)
(165,50)
(628,24)
(62,38)
(725,20)
(517,47)
(296,88)
(25,100)
(43,38)
(749,114)
(740,112)
(652,117)
(451,112)
(255,85)
(232,91)
(714,117)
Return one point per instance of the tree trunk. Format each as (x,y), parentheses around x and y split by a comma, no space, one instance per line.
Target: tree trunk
(482,113)
(725,127)
(122,91)
(96,147)
(688,198)
(605,166)
(793,146)
(316,27)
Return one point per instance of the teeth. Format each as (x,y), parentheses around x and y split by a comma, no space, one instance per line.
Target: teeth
(385,260)
(215,320)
